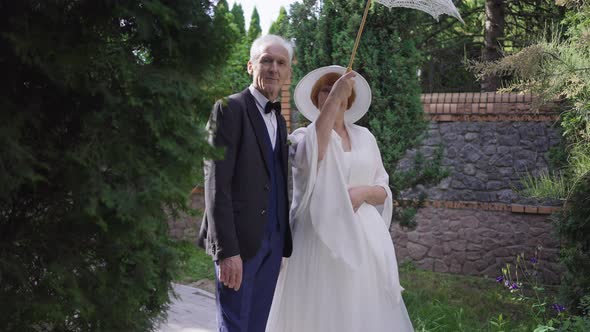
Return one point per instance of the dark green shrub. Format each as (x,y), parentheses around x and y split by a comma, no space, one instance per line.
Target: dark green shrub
(573,225)
(99,133)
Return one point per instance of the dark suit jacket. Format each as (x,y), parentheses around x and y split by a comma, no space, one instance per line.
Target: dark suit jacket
(237,187)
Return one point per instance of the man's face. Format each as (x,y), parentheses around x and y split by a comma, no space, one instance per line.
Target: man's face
(270,71)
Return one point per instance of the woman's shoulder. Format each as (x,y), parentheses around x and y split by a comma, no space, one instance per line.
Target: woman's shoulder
(360,130)
(299,134)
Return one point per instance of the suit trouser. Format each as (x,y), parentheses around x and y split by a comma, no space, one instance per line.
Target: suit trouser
(247,309)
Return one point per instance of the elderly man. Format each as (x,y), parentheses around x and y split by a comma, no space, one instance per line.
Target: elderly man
(246,228)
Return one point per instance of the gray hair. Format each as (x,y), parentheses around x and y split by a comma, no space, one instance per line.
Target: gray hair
(261,42)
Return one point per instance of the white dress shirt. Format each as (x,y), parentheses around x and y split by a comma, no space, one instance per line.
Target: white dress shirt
(269,119)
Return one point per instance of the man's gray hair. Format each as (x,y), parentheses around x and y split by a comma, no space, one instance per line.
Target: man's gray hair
(261,42)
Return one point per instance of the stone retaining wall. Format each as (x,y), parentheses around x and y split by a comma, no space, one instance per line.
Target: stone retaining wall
(475,221)
(486,160)
(474,242)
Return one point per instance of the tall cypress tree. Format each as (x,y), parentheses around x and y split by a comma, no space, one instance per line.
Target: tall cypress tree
(238,13)
(224,24)
(254,29)
(281,25)
(100,135)
(232,76)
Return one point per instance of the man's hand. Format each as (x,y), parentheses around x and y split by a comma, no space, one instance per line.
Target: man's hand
(230,272)
(357,196)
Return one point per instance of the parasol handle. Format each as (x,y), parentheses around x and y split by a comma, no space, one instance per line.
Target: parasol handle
(358,36)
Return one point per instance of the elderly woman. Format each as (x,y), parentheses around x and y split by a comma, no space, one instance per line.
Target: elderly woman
(342,275)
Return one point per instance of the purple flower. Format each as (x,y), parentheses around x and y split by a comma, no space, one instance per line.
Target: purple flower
(499,278)
(506,283)
(534,260)
(558,307)
(513,286)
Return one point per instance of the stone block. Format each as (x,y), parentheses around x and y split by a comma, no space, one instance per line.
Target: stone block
(508,140)
(456,267)
(496,185)
(414,236)
(440,266)
(502,160)
(524,154)
(416,251)
(471,153)
(473,183)
(469,268)
(483,176)
(489,149)
(474,247)
(436,252)
(469,169)
(458,245)
(445,183)
(505,196)
(451,152)
(426,264)
(469,137)
(506,172)
(485,197)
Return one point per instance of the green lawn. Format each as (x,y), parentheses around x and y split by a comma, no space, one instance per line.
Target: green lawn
(435,301)
(448,302)
(195,264)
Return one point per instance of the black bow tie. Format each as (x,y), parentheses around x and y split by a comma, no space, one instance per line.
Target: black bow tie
(272,106)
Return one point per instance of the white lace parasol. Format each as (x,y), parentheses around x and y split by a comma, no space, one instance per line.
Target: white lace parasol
(432,7)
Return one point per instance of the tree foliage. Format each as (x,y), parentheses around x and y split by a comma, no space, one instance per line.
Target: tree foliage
(239,20)
(280,27)
(254,29)
(441,43)
(100,135)
(232,76)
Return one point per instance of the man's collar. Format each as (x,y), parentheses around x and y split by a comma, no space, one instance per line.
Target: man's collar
(260,98)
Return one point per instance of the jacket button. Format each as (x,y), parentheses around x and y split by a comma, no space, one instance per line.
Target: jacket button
(266,187)
(263,212)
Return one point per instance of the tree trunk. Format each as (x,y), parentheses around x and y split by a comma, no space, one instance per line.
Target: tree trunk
(494,32)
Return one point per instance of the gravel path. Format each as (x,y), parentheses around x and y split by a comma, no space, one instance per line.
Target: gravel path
(193,311)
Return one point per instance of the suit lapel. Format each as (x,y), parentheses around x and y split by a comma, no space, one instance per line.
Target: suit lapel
(259,127)
(283,139)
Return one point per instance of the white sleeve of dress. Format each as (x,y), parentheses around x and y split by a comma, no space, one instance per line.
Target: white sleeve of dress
(304,161)
(382,179)
(320,194)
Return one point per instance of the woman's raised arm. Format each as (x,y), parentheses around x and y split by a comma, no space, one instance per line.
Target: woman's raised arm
(335,103)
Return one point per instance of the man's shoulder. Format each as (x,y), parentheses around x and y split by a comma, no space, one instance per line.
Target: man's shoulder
(240,97)
(235,101)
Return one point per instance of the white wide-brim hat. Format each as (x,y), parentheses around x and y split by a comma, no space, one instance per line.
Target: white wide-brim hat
(306,107)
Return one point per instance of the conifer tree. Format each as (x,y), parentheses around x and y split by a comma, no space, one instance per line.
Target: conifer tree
(254,29)
(280,27)
(100,114)
(238,14)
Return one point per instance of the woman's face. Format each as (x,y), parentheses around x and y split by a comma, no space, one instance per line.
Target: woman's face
(323,95)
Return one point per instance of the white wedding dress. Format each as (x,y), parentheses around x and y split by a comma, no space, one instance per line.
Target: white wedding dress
(342,275)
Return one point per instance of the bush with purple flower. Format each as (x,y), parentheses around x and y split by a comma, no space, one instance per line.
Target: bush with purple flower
(523,282)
